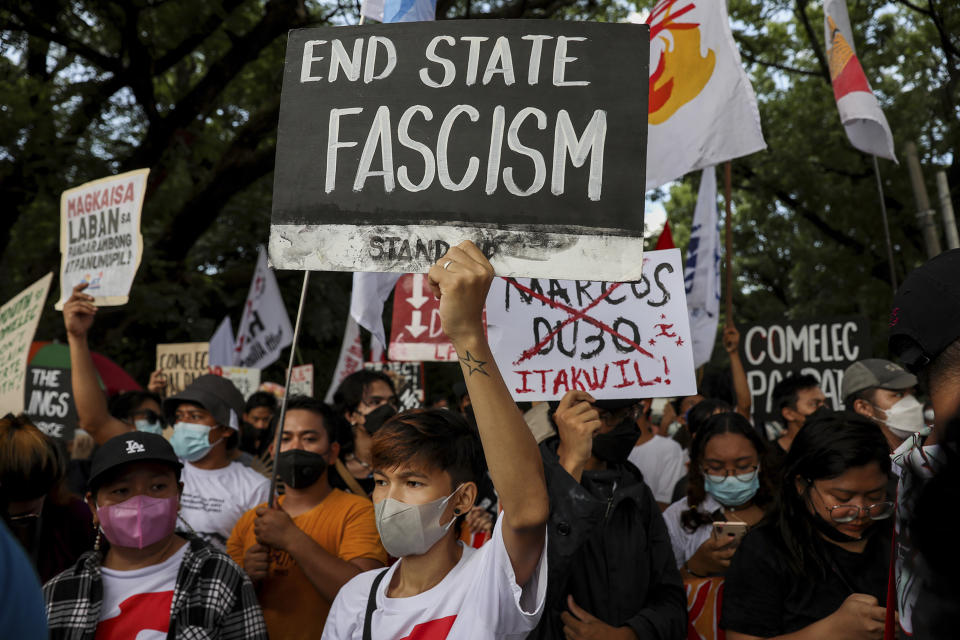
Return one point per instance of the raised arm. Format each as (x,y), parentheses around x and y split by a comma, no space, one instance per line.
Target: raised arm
(461,279)
(92,414)
(731,342)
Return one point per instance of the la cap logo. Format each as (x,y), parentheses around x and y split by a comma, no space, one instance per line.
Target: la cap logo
(135,447)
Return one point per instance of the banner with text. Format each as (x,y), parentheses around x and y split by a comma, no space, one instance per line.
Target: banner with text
(301,380)
(18,322)
(49,401)
(182,363)
(525,136)
(415,332)
(407,380)
(614,340)
(100,239)
(823,348)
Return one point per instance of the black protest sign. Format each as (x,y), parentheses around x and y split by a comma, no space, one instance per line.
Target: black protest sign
(49,401)
(407,381)
(526,136)
(822,348)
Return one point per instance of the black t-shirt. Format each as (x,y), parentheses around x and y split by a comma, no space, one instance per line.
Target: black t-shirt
(762,597)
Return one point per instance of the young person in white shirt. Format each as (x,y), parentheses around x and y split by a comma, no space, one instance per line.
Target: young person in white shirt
(216,490)
(427,465)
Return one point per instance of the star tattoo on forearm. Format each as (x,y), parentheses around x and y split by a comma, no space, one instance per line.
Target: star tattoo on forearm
(473,365)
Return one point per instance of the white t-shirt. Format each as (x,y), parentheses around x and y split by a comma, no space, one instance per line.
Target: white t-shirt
(214,499)
(660,460)
(685,543)
(136,604)
(478,600)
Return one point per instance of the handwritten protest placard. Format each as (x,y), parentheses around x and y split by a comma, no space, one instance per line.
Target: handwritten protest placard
(18,322)
(247,381)
(301,380)
(614,340)
(182,363)
(407,380)
(49,401)
(823,348)
(415,333)
(100,241)
(526,136)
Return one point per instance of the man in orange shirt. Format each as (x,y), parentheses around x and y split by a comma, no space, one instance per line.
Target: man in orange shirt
(301,553)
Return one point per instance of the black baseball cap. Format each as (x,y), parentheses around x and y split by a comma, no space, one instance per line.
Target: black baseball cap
(925,318)
(135,446)
(214,393)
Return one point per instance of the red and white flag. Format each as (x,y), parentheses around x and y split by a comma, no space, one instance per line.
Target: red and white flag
(701,109)
(860,113)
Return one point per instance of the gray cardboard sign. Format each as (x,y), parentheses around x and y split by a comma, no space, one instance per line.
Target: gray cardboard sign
(528,137)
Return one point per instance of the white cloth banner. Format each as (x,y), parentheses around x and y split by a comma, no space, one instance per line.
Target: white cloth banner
(370,291)
(221,345)
(351,357)
(860,113)
(702,109)
(702,273)
(265,326)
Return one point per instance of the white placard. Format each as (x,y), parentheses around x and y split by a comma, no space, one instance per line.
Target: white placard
(18,323)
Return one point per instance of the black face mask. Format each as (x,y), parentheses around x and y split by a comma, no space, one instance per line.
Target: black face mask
(615,445)
(300,469)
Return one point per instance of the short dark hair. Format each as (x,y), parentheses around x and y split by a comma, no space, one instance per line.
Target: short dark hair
(261,399)
(434,439)
(943,368)
(350,392)
(123,404)
(785,393)
(830,443)
(332,423)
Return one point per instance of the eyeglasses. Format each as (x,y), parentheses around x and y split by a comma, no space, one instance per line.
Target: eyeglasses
(843,513)
(745,475)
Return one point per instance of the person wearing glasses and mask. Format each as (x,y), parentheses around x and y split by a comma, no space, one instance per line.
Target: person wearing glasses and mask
(819,567)
(206,422)
(139,408)
(727,483)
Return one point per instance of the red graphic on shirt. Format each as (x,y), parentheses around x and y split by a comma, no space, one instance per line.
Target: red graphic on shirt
(138,613)
(433,630)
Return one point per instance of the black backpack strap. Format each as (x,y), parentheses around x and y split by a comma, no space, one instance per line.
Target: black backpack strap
(372,604)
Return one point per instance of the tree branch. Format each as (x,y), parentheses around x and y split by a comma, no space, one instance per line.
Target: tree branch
(812,37)
(752,58)
(192,41)
(31,25)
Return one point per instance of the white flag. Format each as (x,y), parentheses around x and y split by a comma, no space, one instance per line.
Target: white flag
(702,272)
(265,326)
(702,110)
(860,113)
(221,345)
(370,291)
(400,10)
(351,357)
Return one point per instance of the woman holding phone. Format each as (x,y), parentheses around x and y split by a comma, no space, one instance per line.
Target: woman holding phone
(728,492)
(819,567)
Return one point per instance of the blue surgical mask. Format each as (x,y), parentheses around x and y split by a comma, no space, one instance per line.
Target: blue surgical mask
(148,427)
(731,491)
(191,441)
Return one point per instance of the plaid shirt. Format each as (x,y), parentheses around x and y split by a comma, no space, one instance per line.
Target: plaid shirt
(212,598)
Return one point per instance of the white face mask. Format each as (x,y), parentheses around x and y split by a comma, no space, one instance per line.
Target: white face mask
(905,417)
(411,529)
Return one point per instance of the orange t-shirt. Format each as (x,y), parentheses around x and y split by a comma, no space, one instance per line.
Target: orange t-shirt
(344,525)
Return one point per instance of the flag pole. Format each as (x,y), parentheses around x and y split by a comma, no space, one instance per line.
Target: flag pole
(886,226)
(729,242)
(271,499)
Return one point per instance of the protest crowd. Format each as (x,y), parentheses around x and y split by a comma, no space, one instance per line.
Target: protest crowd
(581,478)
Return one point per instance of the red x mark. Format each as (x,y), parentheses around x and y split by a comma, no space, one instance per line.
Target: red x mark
(574,315)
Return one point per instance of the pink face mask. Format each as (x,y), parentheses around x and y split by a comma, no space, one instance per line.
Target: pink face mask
(139,521)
